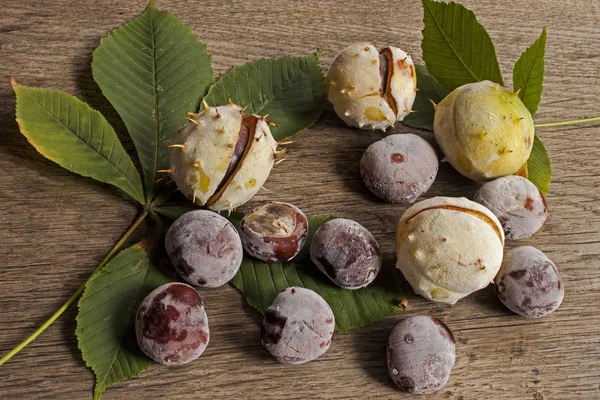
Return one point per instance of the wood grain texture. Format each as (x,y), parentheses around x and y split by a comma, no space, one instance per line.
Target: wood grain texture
(56,227)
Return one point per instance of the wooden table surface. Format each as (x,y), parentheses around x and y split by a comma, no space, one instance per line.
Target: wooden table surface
(56,226)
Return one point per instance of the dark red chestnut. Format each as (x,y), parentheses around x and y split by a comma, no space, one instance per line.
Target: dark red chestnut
(171,325)
(274,232)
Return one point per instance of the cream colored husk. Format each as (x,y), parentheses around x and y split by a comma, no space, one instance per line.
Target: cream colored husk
(446,254)
(354,82)
(206,146)
(484,130)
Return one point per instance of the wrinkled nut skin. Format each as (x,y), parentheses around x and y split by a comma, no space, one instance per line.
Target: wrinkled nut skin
(204,248)
(274,232)
(371,89)
(346,252)
(518,204)
(420,354)
(171,325)
(448,248)
(224,157)
(528,283)
(298,326)
(484,130)
(399,168)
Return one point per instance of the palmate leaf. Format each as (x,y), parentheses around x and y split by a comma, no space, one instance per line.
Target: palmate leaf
(106,320)
(260,283)
(538,166)
(75,136)
(153,70)
(290,89)
(429,90)
(456,48)
(528,74)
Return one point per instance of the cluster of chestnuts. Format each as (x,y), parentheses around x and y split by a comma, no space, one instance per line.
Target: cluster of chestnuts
(446,247)
(449,247)
(206,250)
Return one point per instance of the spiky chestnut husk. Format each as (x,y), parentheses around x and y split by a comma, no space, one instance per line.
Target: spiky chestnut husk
(484,130)
(448,248)
(371,89)
(222,157)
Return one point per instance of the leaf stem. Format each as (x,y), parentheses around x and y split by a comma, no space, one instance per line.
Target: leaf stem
(572,122)
(75,295)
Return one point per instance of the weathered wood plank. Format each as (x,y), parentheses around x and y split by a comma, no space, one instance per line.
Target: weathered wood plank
(56,227)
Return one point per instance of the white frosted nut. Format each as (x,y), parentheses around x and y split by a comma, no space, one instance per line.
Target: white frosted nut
(484,130)
(171,325)
(205,248)
(298,326)
(420,354)
(529,283)
(222,157)
(346,252)
(448,248)
(518,204)
(371,89)
(399,168)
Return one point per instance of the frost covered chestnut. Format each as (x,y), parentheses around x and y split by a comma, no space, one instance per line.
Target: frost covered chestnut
(420,354)
(298,326)
(528,283)
(171,325)
(484,130)
(448,248)
(371,89)
(204,248)
(346,252)
(518,204)
(399,168)
(222,157)
(274,232)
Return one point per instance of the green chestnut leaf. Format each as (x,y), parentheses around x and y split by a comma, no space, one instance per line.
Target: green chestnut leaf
(429,90)
(456,47)
(291,90)
(106,320)
(153,70)
(528,77)
(538,166)
(528,74)
(67,131)
(260,282)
